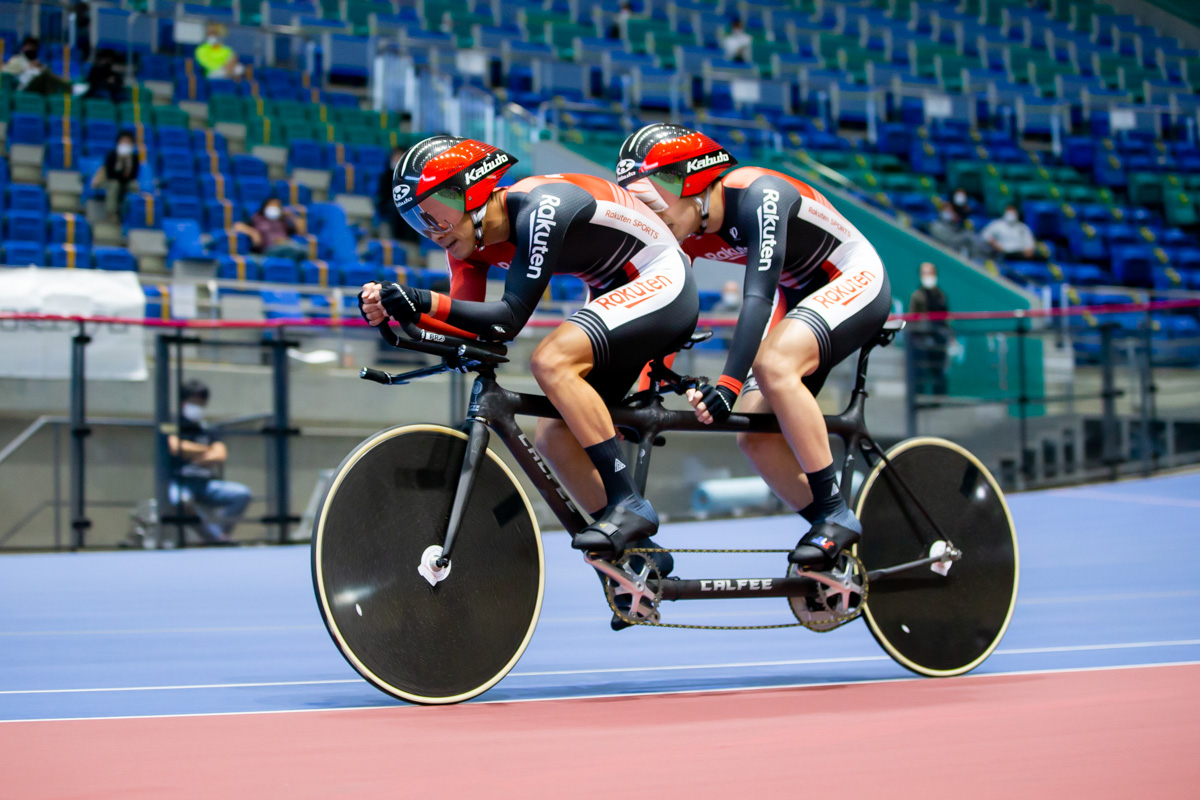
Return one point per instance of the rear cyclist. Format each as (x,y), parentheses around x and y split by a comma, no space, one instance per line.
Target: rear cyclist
(815,292)
(643,302)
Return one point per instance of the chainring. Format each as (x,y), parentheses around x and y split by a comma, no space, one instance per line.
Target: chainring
(632,591)
(840,598)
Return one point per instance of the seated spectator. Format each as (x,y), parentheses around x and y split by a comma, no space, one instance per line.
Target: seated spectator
(271,230)
(736,44)
(1009,237)
(962,203)
(215,57)
(104,82)
(32,75)
(391,226)
(197,455)
(949,229)
(119,172)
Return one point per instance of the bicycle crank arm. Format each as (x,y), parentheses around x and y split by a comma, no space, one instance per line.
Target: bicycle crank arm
(726,588)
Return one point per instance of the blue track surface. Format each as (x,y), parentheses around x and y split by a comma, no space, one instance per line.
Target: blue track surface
(1108,578)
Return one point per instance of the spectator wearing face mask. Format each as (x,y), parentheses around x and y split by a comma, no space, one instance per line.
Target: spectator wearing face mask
(736,44)
(215,57)
(31,74)
(197,457)
(929,338)
(119,172)
(271,230)
(961,204)
(1009,237)
(731,298)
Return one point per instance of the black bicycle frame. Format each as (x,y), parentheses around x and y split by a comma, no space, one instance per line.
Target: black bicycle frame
(642,418)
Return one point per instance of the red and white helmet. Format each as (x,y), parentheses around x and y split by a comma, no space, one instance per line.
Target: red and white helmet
(443,177)
(678,161)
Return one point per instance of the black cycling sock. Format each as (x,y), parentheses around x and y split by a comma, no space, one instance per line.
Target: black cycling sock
(827,499)
(618,478)
(810,512)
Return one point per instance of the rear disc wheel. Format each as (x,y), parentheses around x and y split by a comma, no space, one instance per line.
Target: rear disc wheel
(931,624)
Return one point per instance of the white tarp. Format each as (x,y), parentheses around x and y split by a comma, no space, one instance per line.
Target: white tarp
(43,349)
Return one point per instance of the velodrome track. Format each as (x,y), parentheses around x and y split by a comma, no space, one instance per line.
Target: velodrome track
(184,674)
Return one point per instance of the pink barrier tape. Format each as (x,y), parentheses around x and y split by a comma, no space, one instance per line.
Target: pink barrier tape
(545,322)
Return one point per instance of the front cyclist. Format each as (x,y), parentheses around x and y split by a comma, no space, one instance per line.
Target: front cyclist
(815,292)
(643,302)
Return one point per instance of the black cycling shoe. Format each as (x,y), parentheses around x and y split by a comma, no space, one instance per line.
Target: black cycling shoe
(617,528)
(820,547)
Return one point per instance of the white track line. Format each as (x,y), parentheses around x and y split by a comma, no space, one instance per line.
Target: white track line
(1120,497)
(621,696)
(611,670)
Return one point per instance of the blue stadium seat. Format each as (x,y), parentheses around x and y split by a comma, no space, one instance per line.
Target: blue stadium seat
(69,256)
(211,162)
(26,129)
(24,254)
(252,191)
(386,253)
(184,207)
(567,288)
(114,258)
(318,272)
(238,268)
(181,184)
(1132,264)
(183,239)
(177,163)
(230,243)
(70,229)
(245,166)
(25,226)
(348,179)
(216,186)
(306,155)
(280,270)
(220,214)
(142,210)
(282,305)
(27,197)
(103,131)
(292,193)
(357,274)
(64,128)
(169,137)
(63,154)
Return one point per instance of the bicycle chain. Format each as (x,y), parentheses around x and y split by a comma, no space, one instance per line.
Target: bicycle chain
(629,620)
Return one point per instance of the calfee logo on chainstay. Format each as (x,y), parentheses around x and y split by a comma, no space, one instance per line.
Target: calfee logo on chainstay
(636,292)
(732,585)
(845,291)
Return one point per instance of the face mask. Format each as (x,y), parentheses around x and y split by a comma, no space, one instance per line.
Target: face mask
(960,198)
(124,149)
(731,298)
(273,212)
(193,412)
(948,215)
(929,281)
(30,54)
(1010,216)
(213,41)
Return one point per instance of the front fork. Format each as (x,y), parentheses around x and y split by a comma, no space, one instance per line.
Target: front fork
(477,442)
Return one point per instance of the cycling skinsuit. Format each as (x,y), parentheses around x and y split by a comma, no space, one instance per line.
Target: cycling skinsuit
(803,261)
(642,297)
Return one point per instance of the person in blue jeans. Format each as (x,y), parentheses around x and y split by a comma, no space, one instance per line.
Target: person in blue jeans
(197,455)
